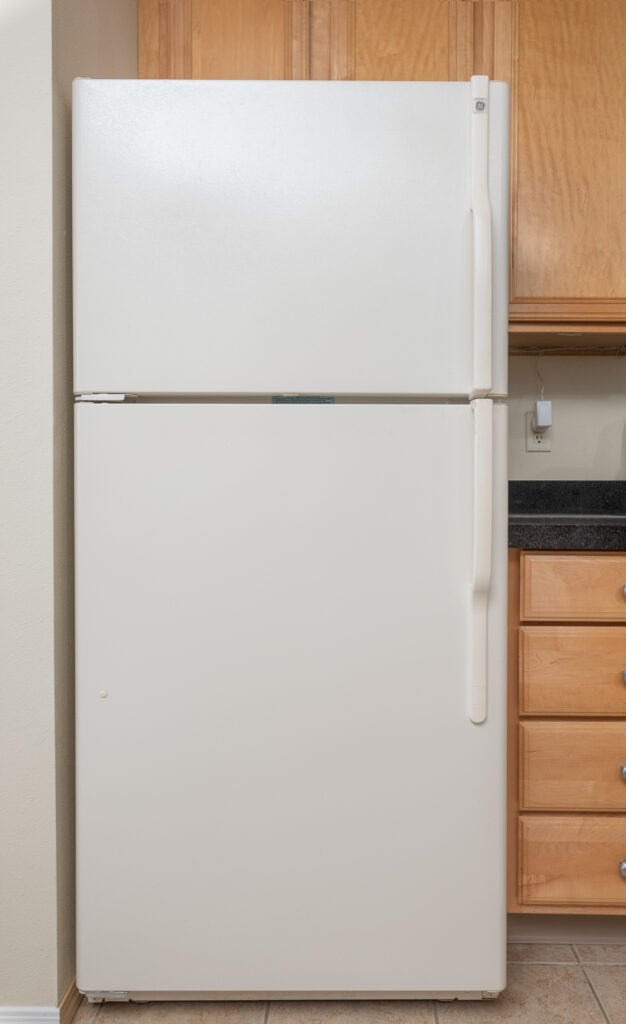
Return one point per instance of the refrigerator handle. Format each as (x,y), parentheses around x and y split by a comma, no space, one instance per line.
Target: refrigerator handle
(481,217)
(482,410)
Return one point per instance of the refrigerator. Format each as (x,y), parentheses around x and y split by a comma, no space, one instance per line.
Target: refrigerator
(290,316)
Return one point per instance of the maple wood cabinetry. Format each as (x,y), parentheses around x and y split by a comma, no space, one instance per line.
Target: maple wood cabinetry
(567,732)
(311,39)
(564,62)
(568,189)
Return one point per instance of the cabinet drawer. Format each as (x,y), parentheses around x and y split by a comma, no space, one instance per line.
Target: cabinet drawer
(583,587)
(572,766)
(572,860)
(572,670)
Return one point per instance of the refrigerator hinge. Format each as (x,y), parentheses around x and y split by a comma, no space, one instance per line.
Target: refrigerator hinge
(104,396)
(106,996)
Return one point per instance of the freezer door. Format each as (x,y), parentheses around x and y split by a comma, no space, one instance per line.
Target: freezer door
(280,789)
(266,237)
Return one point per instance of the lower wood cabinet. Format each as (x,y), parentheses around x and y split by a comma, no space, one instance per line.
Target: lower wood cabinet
(587,587)
(573,766)
(567,732)
(574,860)
(575,671)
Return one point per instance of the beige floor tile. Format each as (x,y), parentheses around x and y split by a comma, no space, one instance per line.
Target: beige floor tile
(388,1011)
(539,953)
(610,953)
(86,1013)
(180,1013)
(610,986)
(535,994)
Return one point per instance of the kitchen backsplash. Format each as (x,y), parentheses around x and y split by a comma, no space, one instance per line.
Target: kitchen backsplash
(588,435)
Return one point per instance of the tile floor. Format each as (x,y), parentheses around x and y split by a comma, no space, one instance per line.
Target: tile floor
(546,985)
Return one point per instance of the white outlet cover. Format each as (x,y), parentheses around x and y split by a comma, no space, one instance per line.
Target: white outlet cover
(536,442)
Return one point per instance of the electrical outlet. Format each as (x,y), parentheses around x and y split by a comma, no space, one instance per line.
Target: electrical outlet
(536,442)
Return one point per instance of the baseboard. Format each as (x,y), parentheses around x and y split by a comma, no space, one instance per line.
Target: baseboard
(566,928)
(62,1014)
(68,1006)
(29,1015)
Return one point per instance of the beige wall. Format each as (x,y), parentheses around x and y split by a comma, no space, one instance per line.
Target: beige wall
(88,37)
(27,776)
(588,396)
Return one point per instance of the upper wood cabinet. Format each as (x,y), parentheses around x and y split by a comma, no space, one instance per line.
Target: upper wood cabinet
(568,152)
(427,40)
(564,62)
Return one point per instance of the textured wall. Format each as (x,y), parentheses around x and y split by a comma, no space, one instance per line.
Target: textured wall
(588,396)
(27,774)
(88,37)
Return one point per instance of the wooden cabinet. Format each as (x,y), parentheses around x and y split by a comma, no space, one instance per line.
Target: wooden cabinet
(567,732)
(572,863)
(310,39)
(572,670)
(568,149)
(581,587)
(564,62)
(573,766)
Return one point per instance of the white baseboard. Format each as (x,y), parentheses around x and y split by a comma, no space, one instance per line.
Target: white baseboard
(62,1014)
(30,1015)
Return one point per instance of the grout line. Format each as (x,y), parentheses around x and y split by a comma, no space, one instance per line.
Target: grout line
(546,963)
(267,1012)
(436,1011)
(595,995)
(575,952)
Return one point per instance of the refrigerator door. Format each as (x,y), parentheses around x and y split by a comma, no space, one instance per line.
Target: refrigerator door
(280,788)
(307,237)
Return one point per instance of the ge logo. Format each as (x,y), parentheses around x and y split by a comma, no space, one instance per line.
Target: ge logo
(480,105)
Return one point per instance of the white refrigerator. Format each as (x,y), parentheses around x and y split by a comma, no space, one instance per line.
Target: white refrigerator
(290,379)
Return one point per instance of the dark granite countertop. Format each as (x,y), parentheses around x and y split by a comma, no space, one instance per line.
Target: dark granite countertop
(584,515)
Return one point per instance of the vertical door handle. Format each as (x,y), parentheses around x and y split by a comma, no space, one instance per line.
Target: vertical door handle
(482,525)
(482,255)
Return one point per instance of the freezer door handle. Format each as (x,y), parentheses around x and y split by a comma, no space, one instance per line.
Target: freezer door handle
(482,410)
(482,256)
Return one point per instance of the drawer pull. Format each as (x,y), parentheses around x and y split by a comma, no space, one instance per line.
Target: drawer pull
(622,772)
(622,868)
(624,590)
(624,675)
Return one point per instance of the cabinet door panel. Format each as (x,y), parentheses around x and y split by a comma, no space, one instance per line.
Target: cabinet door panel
(391,40)
(399,40)
(238,39)
(572,766)
(572,670)
(572,861)
(570,588)
(568,141)
(213,39)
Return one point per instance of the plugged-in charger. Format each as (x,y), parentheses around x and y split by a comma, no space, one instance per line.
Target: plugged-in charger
(542,418)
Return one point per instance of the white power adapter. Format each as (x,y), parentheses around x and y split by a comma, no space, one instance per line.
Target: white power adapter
(542,418)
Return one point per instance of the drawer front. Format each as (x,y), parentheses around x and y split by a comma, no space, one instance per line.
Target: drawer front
(567,588)
(573,766)
(572,860)
(572,670)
